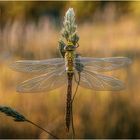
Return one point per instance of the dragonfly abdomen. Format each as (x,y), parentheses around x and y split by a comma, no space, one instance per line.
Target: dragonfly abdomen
(69,99)
(69,63)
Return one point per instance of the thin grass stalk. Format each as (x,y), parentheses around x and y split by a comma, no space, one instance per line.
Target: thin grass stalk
(20,118)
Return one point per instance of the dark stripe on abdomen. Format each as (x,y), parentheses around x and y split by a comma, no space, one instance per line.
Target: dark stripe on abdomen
(69,99)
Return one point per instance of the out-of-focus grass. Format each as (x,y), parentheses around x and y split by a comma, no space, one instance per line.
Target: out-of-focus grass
(96,114)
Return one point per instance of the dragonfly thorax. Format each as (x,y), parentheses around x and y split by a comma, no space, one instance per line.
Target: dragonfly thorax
(69,61)
(70,47)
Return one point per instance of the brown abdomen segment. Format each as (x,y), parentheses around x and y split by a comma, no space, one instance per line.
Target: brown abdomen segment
(69,99)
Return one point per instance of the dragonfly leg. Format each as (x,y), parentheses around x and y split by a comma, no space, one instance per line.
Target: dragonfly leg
(72,121)
(78,82)
(77,45)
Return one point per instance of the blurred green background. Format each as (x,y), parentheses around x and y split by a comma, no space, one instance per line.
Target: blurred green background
(31,30)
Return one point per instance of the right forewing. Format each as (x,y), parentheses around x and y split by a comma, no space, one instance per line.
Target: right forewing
(101,64)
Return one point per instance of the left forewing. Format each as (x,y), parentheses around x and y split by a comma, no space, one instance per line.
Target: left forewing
(37,66)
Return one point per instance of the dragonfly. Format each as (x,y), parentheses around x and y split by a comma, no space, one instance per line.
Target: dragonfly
(84,71)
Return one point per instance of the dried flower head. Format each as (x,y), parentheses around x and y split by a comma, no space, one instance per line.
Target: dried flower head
(69,31)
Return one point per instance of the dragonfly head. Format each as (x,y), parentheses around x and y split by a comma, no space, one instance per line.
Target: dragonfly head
(70,47)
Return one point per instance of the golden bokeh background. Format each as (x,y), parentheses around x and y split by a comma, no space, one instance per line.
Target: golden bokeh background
(31,30)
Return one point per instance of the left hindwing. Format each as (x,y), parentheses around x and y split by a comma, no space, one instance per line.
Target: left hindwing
(45,82)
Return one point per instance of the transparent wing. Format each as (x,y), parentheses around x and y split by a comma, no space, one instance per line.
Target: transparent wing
(36,66)
(101,64)
(45,82)
(100,82)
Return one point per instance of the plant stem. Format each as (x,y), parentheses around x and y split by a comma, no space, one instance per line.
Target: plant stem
(42,129)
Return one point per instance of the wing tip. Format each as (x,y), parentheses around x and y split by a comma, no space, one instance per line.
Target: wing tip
(19,90)
(11,66)
(129,61)
(119,88)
